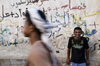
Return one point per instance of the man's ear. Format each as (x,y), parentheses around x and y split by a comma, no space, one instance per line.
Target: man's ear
(31,28)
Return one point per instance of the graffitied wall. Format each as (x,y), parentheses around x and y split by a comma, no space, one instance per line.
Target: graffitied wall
(71,13)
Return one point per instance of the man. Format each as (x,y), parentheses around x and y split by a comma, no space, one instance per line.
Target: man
(36,26)
(79,45)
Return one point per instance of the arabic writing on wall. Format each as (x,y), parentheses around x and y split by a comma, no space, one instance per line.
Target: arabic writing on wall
(70,18)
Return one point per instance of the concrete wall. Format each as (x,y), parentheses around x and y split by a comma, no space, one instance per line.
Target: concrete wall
(71,13)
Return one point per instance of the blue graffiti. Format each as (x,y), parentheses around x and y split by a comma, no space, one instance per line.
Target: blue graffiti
(59,30)
(92,32)
(2,39)
(57,15)
(51,18)
(65,20)
(57,21)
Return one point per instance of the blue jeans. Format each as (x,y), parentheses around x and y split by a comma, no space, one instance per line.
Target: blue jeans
(76,64)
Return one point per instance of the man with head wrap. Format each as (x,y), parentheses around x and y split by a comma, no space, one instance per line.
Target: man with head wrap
(36,27)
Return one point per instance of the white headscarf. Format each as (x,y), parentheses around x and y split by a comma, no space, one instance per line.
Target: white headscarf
(45,28)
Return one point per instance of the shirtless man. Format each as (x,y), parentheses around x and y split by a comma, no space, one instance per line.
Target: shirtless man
(36,26)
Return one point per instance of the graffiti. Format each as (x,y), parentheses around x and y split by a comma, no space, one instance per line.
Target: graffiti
(7,43)
(75,20)
(65,6)
(68,13)
(12,14)
(81,22)
(8,14)
(76,7)
(55,34)
(15,23)
(92,32)
(94,47)
(12,36)
(87,31)
(86,14)
(94,25)
(59,45)
(27,2)
(42,2)
(56,8)
(57,16)
(81,18)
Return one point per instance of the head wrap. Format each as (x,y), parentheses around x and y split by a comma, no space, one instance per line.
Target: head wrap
(45,27)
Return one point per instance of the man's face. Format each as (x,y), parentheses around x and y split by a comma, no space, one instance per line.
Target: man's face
(77,33)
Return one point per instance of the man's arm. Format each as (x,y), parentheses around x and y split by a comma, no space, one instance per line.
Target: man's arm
(87,57)
(87,51)
(68,56)
(68,51)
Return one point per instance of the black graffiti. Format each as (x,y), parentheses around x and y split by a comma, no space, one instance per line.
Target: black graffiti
(94,25)
(29,1)
(99,45)
(23,2)
(22,13)
(15,43)
(15,15)
(94,47)
(57,45)
(59,35)
(24,41)
(12,14)
(54,35)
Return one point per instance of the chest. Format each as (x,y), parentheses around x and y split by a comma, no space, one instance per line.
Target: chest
(78,44)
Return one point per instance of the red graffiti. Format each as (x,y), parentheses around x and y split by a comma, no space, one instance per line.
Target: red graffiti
(44,10)
(70,7)
(56,8)
(49,8)
(76,7)
(64,6)
(42,2)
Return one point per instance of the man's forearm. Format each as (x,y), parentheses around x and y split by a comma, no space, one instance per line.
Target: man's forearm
(68,53)
(87,54)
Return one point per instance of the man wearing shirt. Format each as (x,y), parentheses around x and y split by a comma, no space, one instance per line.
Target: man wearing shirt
(79,46)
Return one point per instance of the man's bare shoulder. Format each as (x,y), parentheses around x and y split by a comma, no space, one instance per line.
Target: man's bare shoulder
(38,49)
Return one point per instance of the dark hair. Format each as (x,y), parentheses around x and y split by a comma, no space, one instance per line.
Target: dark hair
(77,28)
(42,15)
